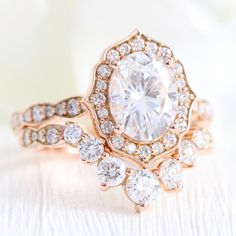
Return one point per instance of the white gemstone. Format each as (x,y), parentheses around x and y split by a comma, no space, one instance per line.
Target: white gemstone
(118,142)
(104,71)
(41,136)
(98,99)
(72,134)
(37,114)
(138,44)
(124,49)
(145,152)
(113,56)
(107,127)
(169,140)
(49,111)
(90,149)
(61,109)
(166,54)
(52,135)
(181,125)
(202,139)
(177,68)
(34,136)
(102,113)
(73,107)
(27,116)
(27,137)
(101,84)
(171,174)
(151,47)
(187,152)
(157,148)
(181,83)
(182,111)
(131,148)
(143,96)
(142,187)
(111,171)
(183,97)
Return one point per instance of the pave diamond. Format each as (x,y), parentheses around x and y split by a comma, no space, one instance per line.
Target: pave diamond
(26,139)
(187,152)
(151,47)
(72,134)
(181,125)
(145,152)
(111,171)
(113,56)
(157,148)
(52,136)
(142,187)
(143,96)
(169,140)
(37,114)
(49,111)
(61,109)
(202,139)
(124,49)
(171,174)
(118,142)
(73,107)
(90,149)
(102,113)
(98,99)
(101,84)
(104,71)
(107,127)
(131,148)
(137,44)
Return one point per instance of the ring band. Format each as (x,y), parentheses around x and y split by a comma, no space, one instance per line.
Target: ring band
(140,121)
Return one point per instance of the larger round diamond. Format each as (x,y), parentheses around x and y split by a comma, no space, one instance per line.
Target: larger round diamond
(143,96)
(142,187)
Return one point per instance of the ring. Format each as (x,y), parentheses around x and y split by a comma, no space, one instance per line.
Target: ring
(140,121)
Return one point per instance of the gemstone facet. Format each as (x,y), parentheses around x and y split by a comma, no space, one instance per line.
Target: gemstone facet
(72,134)
(187,152)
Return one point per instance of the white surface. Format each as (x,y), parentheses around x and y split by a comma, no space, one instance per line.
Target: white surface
(55,194)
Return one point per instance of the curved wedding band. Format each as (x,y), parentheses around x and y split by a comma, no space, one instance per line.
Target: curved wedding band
(140,121)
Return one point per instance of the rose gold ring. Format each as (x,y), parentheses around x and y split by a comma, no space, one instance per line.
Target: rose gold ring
(140,121)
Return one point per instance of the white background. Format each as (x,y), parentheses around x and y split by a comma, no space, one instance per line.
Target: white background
(47,51)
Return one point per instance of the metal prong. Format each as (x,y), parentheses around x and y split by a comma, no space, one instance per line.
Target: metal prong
(140,208)
(104,187)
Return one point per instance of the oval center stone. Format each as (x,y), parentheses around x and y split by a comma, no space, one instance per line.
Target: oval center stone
(143,96)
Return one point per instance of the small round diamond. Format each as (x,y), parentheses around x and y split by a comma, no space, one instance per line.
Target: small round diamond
(169,140)
(187,152)
(72,134)
(177,68)
(202,139)
(90,149)
(182,111)
(166,54)
(183,97)
(142,187)
(27,116)
(113,56)
(131,148)
(52,135)
(181,83)
(73,107)
(37,114)
(145,152)
(41,136)
(26,139)
(49,111)
(34,136)
(171,174)
(61,109)
(157,148)
(151,47)
(181,125)
(111,171)
(104,71)
(107,127)
(98,99)
(124,49)
(138,44)
(118,142)
(101,84)
(102,113)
